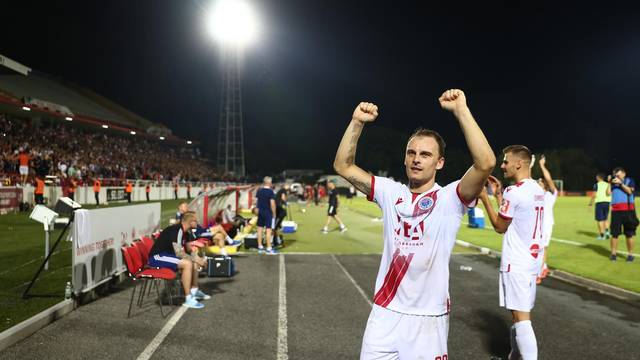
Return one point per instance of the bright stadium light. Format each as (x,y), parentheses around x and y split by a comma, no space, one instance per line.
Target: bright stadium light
(105,126)
(161,137)
(132,132)
(189,142)
(232,22)
(26,108)
(68,118)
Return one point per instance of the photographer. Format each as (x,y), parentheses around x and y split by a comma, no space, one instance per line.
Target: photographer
(623,213)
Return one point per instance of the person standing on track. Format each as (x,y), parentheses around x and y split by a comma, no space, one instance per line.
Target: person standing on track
(550,197)
(420,225)
(266,211)
(332,211)
(521,220)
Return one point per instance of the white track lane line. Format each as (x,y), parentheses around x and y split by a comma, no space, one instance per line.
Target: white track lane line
(155,343)
(366,298)
(283,348)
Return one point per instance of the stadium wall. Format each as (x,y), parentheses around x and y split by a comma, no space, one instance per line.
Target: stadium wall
(84,194)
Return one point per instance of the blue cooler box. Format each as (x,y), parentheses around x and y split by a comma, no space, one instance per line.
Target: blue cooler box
(289,227)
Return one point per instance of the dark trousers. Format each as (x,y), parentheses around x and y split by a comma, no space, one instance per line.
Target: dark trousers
(39,199)
(128,197)
(72,196)
(148,197)
(97,194)
(176,192)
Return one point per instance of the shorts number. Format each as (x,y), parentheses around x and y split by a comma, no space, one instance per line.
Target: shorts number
(443,357)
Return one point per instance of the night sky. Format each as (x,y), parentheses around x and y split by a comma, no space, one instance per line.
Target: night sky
(541,75)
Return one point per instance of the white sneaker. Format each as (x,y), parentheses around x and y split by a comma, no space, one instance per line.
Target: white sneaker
(343,229)
(202,296)
(191,302)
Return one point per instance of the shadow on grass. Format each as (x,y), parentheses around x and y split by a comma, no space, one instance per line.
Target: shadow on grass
(598,249)
(591,234)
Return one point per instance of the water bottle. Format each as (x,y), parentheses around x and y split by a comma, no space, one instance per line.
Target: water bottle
(67,290)
(465,268)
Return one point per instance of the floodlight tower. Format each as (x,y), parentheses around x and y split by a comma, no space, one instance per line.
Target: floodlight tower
(233,24)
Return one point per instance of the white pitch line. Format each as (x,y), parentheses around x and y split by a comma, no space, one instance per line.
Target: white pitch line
(283,347)
(166,329)
(366,298)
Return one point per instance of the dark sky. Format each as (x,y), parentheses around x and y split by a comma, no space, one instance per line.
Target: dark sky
(542,75)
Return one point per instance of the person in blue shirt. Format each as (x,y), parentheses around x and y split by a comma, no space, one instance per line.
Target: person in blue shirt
(266,210)
(623,213)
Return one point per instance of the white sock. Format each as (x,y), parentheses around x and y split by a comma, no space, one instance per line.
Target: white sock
(325,228)
(194,291)
(515,353)
(526,339)
(269,248)
(223,251)
(229,240)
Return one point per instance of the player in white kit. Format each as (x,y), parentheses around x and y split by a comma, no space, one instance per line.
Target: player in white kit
(409,318)
(521,220)
(550,197)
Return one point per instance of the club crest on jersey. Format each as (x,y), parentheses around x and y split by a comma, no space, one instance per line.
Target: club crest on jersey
(535,250)
(425,203)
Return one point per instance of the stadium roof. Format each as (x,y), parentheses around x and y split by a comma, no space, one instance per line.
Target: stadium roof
(77,100)
(22,89)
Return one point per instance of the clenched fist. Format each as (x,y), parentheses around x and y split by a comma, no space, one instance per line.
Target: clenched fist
(453,99)
(365,112)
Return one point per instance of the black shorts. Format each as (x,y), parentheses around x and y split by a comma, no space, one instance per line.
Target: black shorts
(602,211)
(333,210)
(623,222)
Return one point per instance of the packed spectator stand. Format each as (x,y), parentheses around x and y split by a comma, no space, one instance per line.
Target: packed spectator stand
(65,150)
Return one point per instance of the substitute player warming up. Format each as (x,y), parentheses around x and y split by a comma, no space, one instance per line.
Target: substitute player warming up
(520,219)
(410,315)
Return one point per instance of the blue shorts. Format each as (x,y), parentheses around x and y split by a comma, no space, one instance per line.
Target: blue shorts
(265,220)
(602,211)
(164,260)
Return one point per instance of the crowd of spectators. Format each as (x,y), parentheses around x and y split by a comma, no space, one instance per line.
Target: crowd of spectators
(66,150)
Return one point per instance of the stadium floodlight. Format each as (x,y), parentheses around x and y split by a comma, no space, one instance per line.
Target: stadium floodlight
(189,142)
(161,137)
(232,22)
(132,132)
(105,126)
(68,118)
(26,108)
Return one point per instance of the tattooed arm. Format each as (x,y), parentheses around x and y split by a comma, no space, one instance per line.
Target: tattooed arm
(344,164)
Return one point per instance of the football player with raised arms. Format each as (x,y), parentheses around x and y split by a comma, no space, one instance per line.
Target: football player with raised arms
(521,220)
(410,315)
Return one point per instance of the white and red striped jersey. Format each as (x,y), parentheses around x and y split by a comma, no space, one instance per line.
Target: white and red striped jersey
(523,204)
(419,234)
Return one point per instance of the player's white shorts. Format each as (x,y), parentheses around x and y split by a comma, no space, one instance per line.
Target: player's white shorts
(24,170)
(517,290)
(393,335)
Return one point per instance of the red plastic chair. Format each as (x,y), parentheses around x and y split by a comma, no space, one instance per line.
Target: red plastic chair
(147,241)
(143,250)
(136,271)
